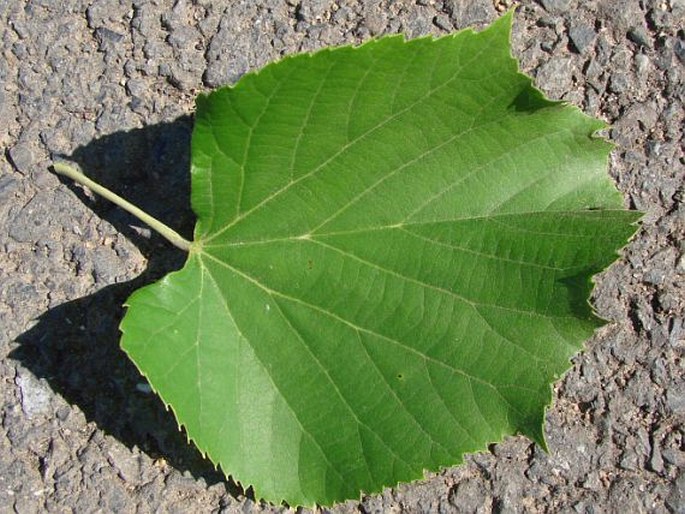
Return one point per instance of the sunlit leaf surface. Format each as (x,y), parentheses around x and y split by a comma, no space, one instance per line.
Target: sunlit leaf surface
(391,265)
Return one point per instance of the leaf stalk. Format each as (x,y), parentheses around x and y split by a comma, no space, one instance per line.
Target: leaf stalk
(163,230)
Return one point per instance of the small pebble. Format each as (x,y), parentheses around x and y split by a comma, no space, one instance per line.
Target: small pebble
(555,5)
(21,157)
(679,49)
(143,387)
(582,37)
(442,21)
(639,36)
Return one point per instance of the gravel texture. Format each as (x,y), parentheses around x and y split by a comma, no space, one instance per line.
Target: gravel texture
(110,85)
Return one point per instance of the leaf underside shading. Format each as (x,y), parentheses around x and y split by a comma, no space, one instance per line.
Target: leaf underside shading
(391,265)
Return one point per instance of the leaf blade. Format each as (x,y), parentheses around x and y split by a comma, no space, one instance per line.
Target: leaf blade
(382,232)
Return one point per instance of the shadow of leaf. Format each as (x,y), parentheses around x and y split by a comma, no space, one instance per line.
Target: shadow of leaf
(75,346)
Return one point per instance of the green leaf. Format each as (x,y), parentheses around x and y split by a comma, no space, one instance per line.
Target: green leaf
(391,265)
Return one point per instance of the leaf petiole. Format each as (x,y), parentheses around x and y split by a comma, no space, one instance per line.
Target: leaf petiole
(168,233)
